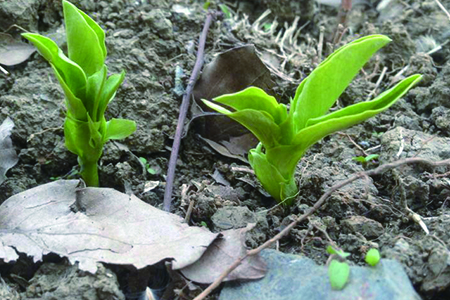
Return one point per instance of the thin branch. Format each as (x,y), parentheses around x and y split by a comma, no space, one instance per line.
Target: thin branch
(443,8)
(379,170)
(183,112)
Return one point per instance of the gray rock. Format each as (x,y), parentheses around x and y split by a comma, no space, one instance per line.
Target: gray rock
(158,23)
(56,281)
(367,227)
(233,217)
(292,277)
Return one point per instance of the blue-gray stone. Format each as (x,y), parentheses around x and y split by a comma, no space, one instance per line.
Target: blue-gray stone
(292,277)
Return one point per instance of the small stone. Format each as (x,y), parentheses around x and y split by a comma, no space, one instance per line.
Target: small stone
(367,227)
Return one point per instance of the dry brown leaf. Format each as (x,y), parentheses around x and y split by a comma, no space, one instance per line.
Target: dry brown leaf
(230,72)
(221,254)
(13,52)
(90,225)
(8,156)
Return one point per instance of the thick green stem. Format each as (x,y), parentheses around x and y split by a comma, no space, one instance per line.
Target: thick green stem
(282,188)
(89,173)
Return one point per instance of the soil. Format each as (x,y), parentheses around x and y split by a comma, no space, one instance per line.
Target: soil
(152,39)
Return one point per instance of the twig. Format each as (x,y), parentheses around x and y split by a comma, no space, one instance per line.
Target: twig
(443,8)
(379,170)
(320,44)
(377,85)
(4,70)
(183,111)
(353,142)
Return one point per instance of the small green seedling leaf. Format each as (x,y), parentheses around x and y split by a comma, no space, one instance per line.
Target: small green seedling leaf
(225,10)
(373,257)
(206,4)
(366,159)
(338,273)
(341,253)
(267,26)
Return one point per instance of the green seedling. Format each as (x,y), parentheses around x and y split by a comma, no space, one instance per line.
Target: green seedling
(285,136)
(338,252)
(338,268)
(366,159)
(338,273)
(147,165)
(225,10)
(87,88)
(373,257)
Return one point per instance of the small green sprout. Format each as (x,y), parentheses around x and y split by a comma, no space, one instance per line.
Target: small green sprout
(88,89)
(338,252)
(366,159)
(373,257)
(225,10)
(285,136)
(267,26)
(147,165)
(338,273)
(206,4)
(338,268)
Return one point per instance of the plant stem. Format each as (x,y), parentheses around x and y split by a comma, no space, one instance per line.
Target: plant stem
(89,173)
(183,111)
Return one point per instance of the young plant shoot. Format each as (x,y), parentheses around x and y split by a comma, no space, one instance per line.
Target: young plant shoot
(87,88)
(284,137)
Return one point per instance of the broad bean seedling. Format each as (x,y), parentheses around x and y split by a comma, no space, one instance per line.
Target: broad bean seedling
(285,136)
(87,88)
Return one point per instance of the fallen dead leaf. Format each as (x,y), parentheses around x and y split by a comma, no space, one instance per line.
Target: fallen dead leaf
(221,254)
(90,225)
(8,156)
(230,72)
(12,51)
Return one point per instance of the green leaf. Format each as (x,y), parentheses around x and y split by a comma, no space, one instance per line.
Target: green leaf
(338,273)
(95,139)
(82,139)
(320,127)
(117,129)
(256,99)
(320,90)
(371,157)
(108,92)
(360,159)
(75,107)
(69,72)
(373,257)
(375,106)
(84,42)
(94,88)
(273,182)
(259,122)
(225,10)
(341,253)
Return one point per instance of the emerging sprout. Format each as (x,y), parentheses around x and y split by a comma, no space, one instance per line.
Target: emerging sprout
(285,136)
(88,90)
(373,257)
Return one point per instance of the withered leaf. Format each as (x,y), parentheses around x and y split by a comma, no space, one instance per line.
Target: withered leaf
(221,254)
(230,72)
(90,225)
(8,156)
(14,52)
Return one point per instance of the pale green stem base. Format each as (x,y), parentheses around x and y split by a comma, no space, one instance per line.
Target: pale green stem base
(89,173)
